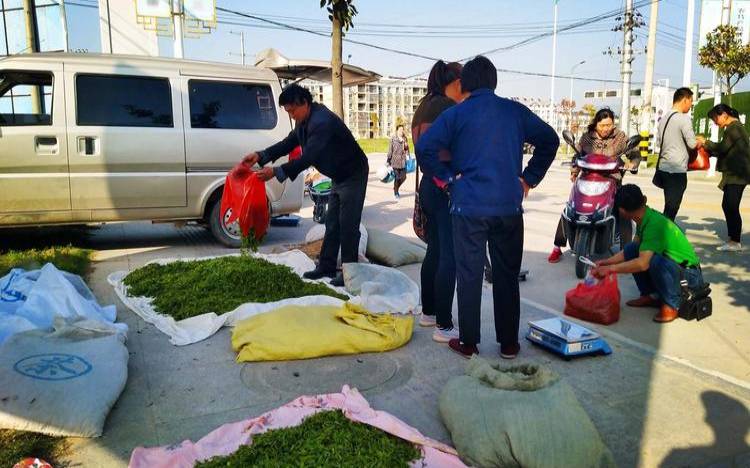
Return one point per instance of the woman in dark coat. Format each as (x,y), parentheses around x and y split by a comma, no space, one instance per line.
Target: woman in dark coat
(733,154)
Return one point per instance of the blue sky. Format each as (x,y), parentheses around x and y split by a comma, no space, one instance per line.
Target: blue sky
(525,19)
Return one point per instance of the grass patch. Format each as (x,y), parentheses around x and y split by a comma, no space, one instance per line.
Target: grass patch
(17,445)
(326,439)
(71,259)
(379,145)
(185,289)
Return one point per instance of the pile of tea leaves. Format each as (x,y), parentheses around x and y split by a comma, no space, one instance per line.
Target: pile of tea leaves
(185,289)
(323,440)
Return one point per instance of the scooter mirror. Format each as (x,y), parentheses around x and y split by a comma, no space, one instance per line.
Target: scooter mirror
(633,143)
(569,139)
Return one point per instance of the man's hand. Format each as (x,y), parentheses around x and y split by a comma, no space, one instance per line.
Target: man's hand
(525,187)
(700,140)
(251,159)
(601,271)
(265,174)
(574,174)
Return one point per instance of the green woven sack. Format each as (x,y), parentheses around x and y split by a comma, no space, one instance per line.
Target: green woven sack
(519,416)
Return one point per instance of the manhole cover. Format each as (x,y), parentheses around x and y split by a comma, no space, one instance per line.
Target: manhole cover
(325,375)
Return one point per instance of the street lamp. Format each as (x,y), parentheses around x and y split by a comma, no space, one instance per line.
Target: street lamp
(570,101)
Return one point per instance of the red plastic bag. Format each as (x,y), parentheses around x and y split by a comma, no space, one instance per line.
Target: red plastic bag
(245,194)
(700,162)
(598,303)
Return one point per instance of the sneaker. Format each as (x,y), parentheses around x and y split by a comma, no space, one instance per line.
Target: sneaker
(444,335)
(338,281)
(464,350)
(510,351)
(730,246)
(317,274)
(427,320)
(555,256)
(397,195)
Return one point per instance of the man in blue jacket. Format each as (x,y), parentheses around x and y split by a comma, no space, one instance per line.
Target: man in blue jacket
(487,184)
(329,146)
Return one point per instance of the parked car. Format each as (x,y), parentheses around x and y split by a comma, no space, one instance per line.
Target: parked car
(89,138)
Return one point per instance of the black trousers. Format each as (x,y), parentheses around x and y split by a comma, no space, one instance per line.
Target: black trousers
(674,189)
(439,266)
(730,203)
(400,178)
(471,235)
(342,221)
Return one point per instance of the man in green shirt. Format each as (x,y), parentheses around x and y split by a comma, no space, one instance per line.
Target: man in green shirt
(659,257)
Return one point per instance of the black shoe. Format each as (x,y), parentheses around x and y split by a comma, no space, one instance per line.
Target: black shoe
(338,280)
(317,274)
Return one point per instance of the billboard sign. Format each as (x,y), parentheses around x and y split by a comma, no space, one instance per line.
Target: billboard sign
(204,10)
(711,18)
(154,8)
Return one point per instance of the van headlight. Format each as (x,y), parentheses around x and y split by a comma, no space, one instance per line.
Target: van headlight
(592,188)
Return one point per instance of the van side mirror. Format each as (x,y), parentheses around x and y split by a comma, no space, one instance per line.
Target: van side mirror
(569,139)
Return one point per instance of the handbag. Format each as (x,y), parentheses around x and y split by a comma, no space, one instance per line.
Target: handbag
(700,162)
(658,179)
(418,219)
(411,165)
(696,303)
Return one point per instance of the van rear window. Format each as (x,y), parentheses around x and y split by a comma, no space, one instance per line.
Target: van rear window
(123,101)
(231,105)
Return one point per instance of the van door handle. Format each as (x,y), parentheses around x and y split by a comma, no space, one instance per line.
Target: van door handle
(45,145)
(87,146)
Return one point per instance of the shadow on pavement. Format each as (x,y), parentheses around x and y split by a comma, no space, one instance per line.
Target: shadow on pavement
(730,421)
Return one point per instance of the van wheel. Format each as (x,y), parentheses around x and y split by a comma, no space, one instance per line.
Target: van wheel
(230,234)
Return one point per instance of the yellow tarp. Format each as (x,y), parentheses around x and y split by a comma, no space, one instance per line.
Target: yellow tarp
(303,332)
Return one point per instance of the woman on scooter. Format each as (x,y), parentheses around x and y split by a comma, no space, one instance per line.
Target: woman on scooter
(601,137)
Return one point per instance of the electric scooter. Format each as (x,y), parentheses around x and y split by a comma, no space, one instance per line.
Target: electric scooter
(589,222)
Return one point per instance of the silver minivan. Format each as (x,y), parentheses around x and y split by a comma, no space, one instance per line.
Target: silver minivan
(88,138)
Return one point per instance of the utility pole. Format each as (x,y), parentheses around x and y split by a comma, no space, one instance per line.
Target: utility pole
(552,115)
(32,44)
(242,44)
(177,15)
(627,70)
(648,85)
(726,18)
(687,66)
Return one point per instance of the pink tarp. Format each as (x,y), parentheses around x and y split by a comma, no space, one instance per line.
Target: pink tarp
(228,438)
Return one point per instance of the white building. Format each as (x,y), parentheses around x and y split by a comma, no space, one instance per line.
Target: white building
(373,110)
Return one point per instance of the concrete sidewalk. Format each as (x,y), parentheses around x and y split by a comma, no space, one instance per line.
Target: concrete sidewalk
(665,397)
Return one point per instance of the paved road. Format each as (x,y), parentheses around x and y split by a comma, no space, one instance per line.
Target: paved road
(670,395)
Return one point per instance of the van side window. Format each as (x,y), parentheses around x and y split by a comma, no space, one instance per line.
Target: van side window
(123,101)
(25,98)
(228,105)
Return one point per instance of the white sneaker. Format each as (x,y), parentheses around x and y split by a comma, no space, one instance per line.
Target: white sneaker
(730,247)
(444,335)
(427,320)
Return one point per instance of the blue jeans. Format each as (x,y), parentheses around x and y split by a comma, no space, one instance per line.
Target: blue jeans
(663,277)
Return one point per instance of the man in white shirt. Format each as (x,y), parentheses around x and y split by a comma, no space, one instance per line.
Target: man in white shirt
(676,138)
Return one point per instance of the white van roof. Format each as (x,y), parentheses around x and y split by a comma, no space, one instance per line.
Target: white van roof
(186,67)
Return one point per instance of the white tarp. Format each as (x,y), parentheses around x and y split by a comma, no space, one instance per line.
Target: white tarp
(200,327)
(32,300)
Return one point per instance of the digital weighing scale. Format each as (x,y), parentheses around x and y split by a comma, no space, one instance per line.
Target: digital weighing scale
(566,338)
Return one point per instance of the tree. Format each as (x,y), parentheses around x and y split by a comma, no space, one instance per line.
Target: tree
(635,121)
(589,109)
(341,13)
(725,54)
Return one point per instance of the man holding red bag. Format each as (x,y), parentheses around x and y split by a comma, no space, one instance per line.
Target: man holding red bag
(659,257)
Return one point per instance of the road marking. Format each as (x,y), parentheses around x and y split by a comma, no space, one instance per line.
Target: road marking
(646,348)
